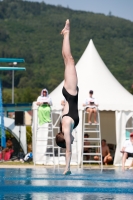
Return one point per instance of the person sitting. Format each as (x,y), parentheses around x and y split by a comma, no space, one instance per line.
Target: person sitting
(86,143)
(63,102)
(7,152)
(91,107)
(28,157)
(127,151)
(106,157)
(44,102)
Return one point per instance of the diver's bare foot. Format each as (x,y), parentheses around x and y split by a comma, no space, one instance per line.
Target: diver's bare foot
(67,172)
(66,29)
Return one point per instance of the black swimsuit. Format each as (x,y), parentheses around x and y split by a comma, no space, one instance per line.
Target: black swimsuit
(73,106)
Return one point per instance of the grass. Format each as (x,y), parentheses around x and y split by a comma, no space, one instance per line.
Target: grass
(15,163)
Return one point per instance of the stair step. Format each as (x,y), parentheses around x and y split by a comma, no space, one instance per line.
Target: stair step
(47,153)
(93,146)
(49,131)
(87,139)
(92,161)
(91,139)
(88,131)
(45,160)
(93,124)
(48,146)
(44,139)
(99,154)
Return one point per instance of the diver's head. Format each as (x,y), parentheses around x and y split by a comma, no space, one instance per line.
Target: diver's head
(60,141)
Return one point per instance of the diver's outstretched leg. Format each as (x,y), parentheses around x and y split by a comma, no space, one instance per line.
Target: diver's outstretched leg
(68,160)
(67,129)
(70,74)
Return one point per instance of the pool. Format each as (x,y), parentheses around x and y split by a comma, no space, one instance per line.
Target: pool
(43,183)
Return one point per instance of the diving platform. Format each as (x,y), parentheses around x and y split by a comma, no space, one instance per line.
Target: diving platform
(12,107)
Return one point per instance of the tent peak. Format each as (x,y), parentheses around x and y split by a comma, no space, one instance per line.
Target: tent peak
(91,46)
(91,41)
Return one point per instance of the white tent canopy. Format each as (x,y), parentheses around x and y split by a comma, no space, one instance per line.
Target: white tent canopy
(111,95)
(94,75)
(115,102)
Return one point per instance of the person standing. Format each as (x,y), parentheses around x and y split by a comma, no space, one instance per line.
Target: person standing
(44,102)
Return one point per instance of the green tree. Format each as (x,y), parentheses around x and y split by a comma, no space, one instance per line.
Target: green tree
(31,30)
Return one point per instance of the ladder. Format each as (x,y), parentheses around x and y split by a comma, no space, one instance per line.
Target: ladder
(44,144)
(94,142)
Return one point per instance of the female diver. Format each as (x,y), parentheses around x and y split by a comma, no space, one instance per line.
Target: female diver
(70,118)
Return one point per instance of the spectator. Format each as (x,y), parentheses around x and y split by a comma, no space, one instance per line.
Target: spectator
(106,157)
(7,152)
(16,147)
(44,102)
(127,151)
(86,143)
(63,102)
(28,157)
(91,107)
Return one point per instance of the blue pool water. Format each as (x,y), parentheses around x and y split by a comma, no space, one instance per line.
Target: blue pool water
(41,184)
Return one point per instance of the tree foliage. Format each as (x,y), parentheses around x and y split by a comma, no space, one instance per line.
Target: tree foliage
(31,30)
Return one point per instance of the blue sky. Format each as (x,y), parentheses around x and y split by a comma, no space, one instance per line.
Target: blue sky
(119,8)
